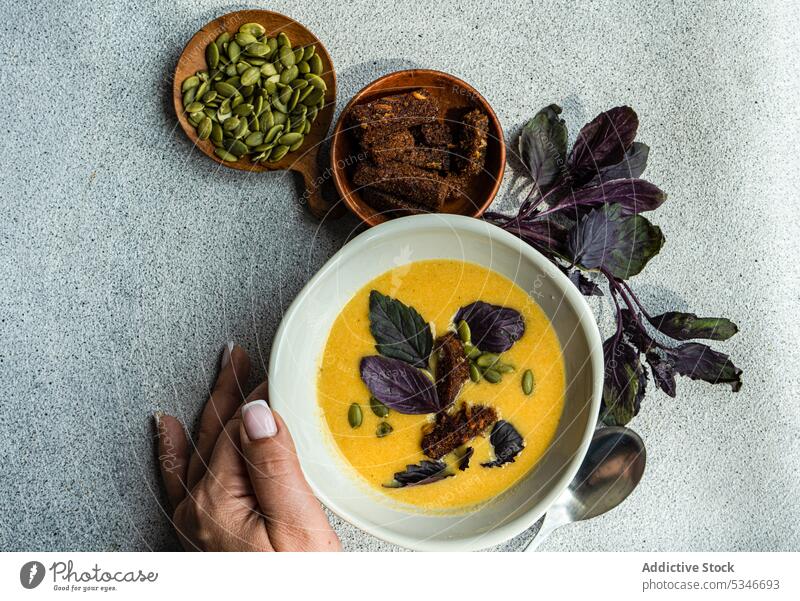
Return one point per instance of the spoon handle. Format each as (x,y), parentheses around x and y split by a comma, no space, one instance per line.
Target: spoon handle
(313,179)
(548,525)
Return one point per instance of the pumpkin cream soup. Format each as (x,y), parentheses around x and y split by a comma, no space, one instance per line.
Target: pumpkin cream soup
(442,384)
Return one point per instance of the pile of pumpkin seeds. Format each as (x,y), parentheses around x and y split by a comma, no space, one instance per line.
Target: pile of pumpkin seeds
(258,97)
(482,366)
(355,416)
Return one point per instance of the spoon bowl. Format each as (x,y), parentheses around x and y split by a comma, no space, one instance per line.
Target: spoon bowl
(306,160)
(612,468)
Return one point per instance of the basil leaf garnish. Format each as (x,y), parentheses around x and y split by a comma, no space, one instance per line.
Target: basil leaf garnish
(493,328)
(425,472)
(399,331)
(507,444)
(398,385)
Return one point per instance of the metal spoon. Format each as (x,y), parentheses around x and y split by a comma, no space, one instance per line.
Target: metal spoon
(612,468)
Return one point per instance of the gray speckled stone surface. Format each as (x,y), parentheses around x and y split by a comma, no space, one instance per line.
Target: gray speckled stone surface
(128,259)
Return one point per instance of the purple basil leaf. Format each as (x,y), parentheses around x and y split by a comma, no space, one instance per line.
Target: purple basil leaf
(632,166)
(399,331)
(586,286)
(425,472)
(636,333)
(632,195)
(607,240)
(398,385)
(624,384)
(687,326)
(701,362)
(543,146)
(507,444)
(463,460)
(663,373)
(493,328)
(603,142)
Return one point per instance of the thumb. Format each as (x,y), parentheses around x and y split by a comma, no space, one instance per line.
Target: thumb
(295,519)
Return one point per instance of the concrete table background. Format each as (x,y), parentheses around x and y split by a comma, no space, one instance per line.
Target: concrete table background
(128,259)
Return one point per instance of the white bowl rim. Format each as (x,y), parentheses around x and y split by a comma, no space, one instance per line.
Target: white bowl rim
(519,524)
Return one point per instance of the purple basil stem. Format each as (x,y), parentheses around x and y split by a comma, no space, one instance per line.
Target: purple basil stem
(494,329)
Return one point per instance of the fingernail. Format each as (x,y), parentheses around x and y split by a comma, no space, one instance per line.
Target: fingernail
(258,420)
(226,354)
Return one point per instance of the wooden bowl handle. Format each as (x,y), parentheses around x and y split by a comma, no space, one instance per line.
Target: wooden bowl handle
(316,183)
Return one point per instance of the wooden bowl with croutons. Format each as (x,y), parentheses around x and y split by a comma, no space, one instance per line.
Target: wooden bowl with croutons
(417,141)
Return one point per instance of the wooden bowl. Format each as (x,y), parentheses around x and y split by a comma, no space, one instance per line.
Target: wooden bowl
(304,160)
(455,98)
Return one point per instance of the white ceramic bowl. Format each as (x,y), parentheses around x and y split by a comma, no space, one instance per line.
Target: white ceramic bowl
(304,330)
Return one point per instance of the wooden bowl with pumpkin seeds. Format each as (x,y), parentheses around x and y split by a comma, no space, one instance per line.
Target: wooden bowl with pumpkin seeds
(255,90)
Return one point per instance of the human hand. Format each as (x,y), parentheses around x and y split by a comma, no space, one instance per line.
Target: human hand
(242,488)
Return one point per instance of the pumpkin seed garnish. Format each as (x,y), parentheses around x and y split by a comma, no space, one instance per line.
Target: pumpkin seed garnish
(472,351)
(487,359)
(463,332)
(383,429)
(493,376)
(474,373)
(527,382)
(354,415)
(378,408)
(503,368)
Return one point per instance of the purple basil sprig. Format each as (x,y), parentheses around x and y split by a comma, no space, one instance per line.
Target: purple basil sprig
(584,212)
